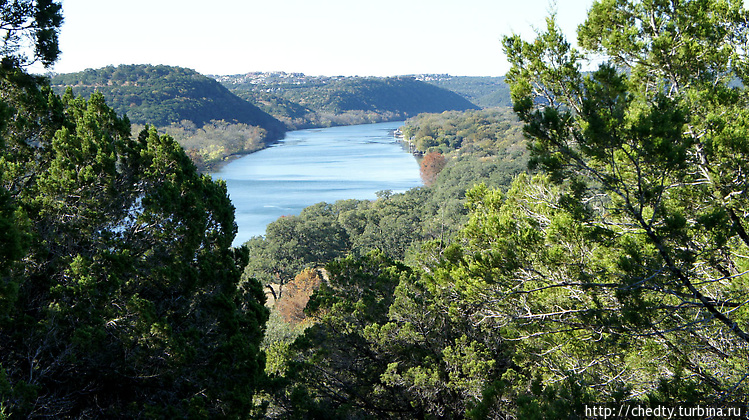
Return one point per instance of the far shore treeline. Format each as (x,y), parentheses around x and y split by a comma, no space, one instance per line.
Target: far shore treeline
(581,247)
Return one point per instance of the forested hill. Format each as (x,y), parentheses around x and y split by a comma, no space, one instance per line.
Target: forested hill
(162,95)
(395,94)
(484,91)
(306,101)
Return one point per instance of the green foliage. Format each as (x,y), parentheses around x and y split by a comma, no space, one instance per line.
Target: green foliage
(128,301)
(632,149)
(295,242)
(216,141)
(162,95)
(389,343)
(401,95)
(486,133)
(292,114)
(336,369)
(209,122)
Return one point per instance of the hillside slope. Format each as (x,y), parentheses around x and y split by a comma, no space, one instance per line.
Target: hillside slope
(162,95)
(402,95)
(484,91)
(305,101)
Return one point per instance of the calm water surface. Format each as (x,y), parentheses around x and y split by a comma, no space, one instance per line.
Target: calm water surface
(310,166)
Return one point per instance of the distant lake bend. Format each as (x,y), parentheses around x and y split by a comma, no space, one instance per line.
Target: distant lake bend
(310,166)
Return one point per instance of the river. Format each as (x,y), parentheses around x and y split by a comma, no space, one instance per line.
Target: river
(310,166)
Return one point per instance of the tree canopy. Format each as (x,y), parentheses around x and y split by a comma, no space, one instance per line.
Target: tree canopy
(648,155)
(120,294)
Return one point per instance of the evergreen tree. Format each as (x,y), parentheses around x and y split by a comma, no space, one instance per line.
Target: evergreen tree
(649,155)
(121,294)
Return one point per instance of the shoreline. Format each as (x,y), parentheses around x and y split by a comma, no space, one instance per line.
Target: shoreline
(217,165)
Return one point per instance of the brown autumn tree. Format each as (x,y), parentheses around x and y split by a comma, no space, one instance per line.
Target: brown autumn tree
(431,166)
(296,294)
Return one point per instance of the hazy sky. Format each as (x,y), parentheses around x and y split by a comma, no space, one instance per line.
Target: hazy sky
(316,37)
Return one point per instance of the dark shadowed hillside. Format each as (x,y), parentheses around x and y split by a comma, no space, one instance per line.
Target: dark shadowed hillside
(486,92)
(402,95)
(307,101)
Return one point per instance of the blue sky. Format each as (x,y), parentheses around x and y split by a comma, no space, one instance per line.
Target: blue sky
(316,37)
